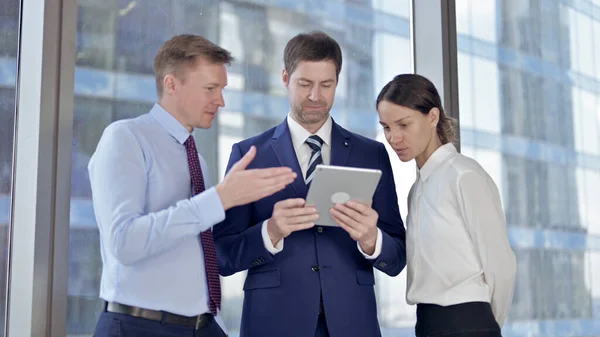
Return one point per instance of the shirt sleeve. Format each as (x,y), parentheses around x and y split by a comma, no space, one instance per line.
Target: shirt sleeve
(267,240)
(118,178)
(378,245)
(481,208)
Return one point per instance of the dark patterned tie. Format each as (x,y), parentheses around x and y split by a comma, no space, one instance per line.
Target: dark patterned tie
(206,237)
(315,142)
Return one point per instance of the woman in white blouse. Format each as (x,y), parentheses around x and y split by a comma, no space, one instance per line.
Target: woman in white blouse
(461,269)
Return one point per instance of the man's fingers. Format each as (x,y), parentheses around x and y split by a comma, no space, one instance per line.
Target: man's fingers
(269,190)
(353,232)
(349,221)
(363,208)
(268,172)
(347,211)
(290,203)
(302,219)
(286,178)
(298,211)
(265,188)
(302,226)
(274,182)
(245,161)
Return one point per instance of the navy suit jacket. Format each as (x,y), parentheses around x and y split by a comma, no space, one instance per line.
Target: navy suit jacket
(282,291)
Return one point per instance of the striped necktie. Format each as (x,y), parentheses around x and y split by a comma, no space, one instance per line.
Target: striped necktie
(315,143)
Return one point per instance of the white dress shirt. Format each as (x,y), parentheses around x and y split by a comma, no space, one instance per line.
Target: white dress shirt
(148,220)
(456,236)
(303,153)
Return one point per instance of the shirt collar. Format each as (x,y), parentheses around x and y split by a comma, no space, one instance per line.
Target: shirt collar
(435,160)
(169,123)
(299,133)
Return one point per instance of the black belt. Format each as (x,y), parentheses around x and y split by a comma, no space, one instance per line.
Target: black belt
(197,322)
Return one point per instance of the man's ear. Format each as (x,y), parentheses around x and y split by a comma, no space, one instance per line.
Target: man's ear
(169,84)
(285,77)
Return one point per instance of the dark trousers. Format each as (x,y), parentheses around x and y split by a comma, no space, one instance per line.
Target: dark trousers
(121,325)
(474,319)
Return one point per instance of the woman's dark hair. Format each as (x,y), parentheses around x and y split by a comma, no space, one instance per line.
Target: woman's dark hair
(418,93)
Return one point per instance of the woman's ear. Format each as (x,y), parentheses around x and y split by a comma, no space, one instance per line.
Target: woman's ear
(434,117)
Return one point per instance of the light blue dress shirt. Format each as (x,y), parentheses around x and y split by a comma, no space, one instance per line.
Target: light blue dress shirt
(149,222)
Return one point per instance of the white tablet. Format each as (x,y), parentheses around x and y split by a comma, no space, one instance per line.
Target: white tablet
(338,184)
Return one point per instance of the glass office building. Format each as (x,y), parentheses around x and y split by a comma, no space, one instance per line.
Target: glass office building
(529,97)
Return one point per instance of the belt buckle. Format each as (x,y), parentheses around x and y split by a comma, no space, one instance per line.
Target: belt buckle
(200,320)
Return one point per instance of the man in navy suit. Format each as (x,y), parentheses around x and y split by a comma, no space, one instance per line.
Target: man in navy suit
(304,279)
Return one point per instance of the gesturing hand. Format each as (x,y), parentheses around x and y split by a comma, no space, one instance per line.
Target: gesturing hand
(241,186)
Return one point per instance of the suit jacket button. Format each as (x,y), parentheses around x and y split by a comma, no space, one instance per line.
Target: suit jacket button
(315,268)
(320,229)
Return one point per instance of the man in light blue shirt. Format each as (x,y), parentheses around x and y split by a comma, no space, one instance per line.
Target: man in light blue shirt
(153,210)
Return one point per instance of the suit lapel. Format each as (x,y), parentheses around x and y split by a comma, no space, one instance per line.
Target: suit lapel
(284,150)
(340,145)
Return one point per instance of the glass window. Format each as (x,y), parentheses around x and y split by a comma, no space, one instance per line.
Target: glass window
(96,25)
(585,44)
(536,96)
(486,109)
(550,35)
(400,8)
(493,159)
(564,294)
(523,299)
(465,102)
(596,34)
(483,20)
(589,185)
(573,41)
(593,272)
(585,120)
(463,18)
(512,100)
(562,208)
(9,27)
(116,45)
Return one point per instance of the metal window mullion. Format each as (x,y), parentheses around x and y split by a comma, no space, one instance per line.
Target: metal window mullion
(433,24)
(41,194)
